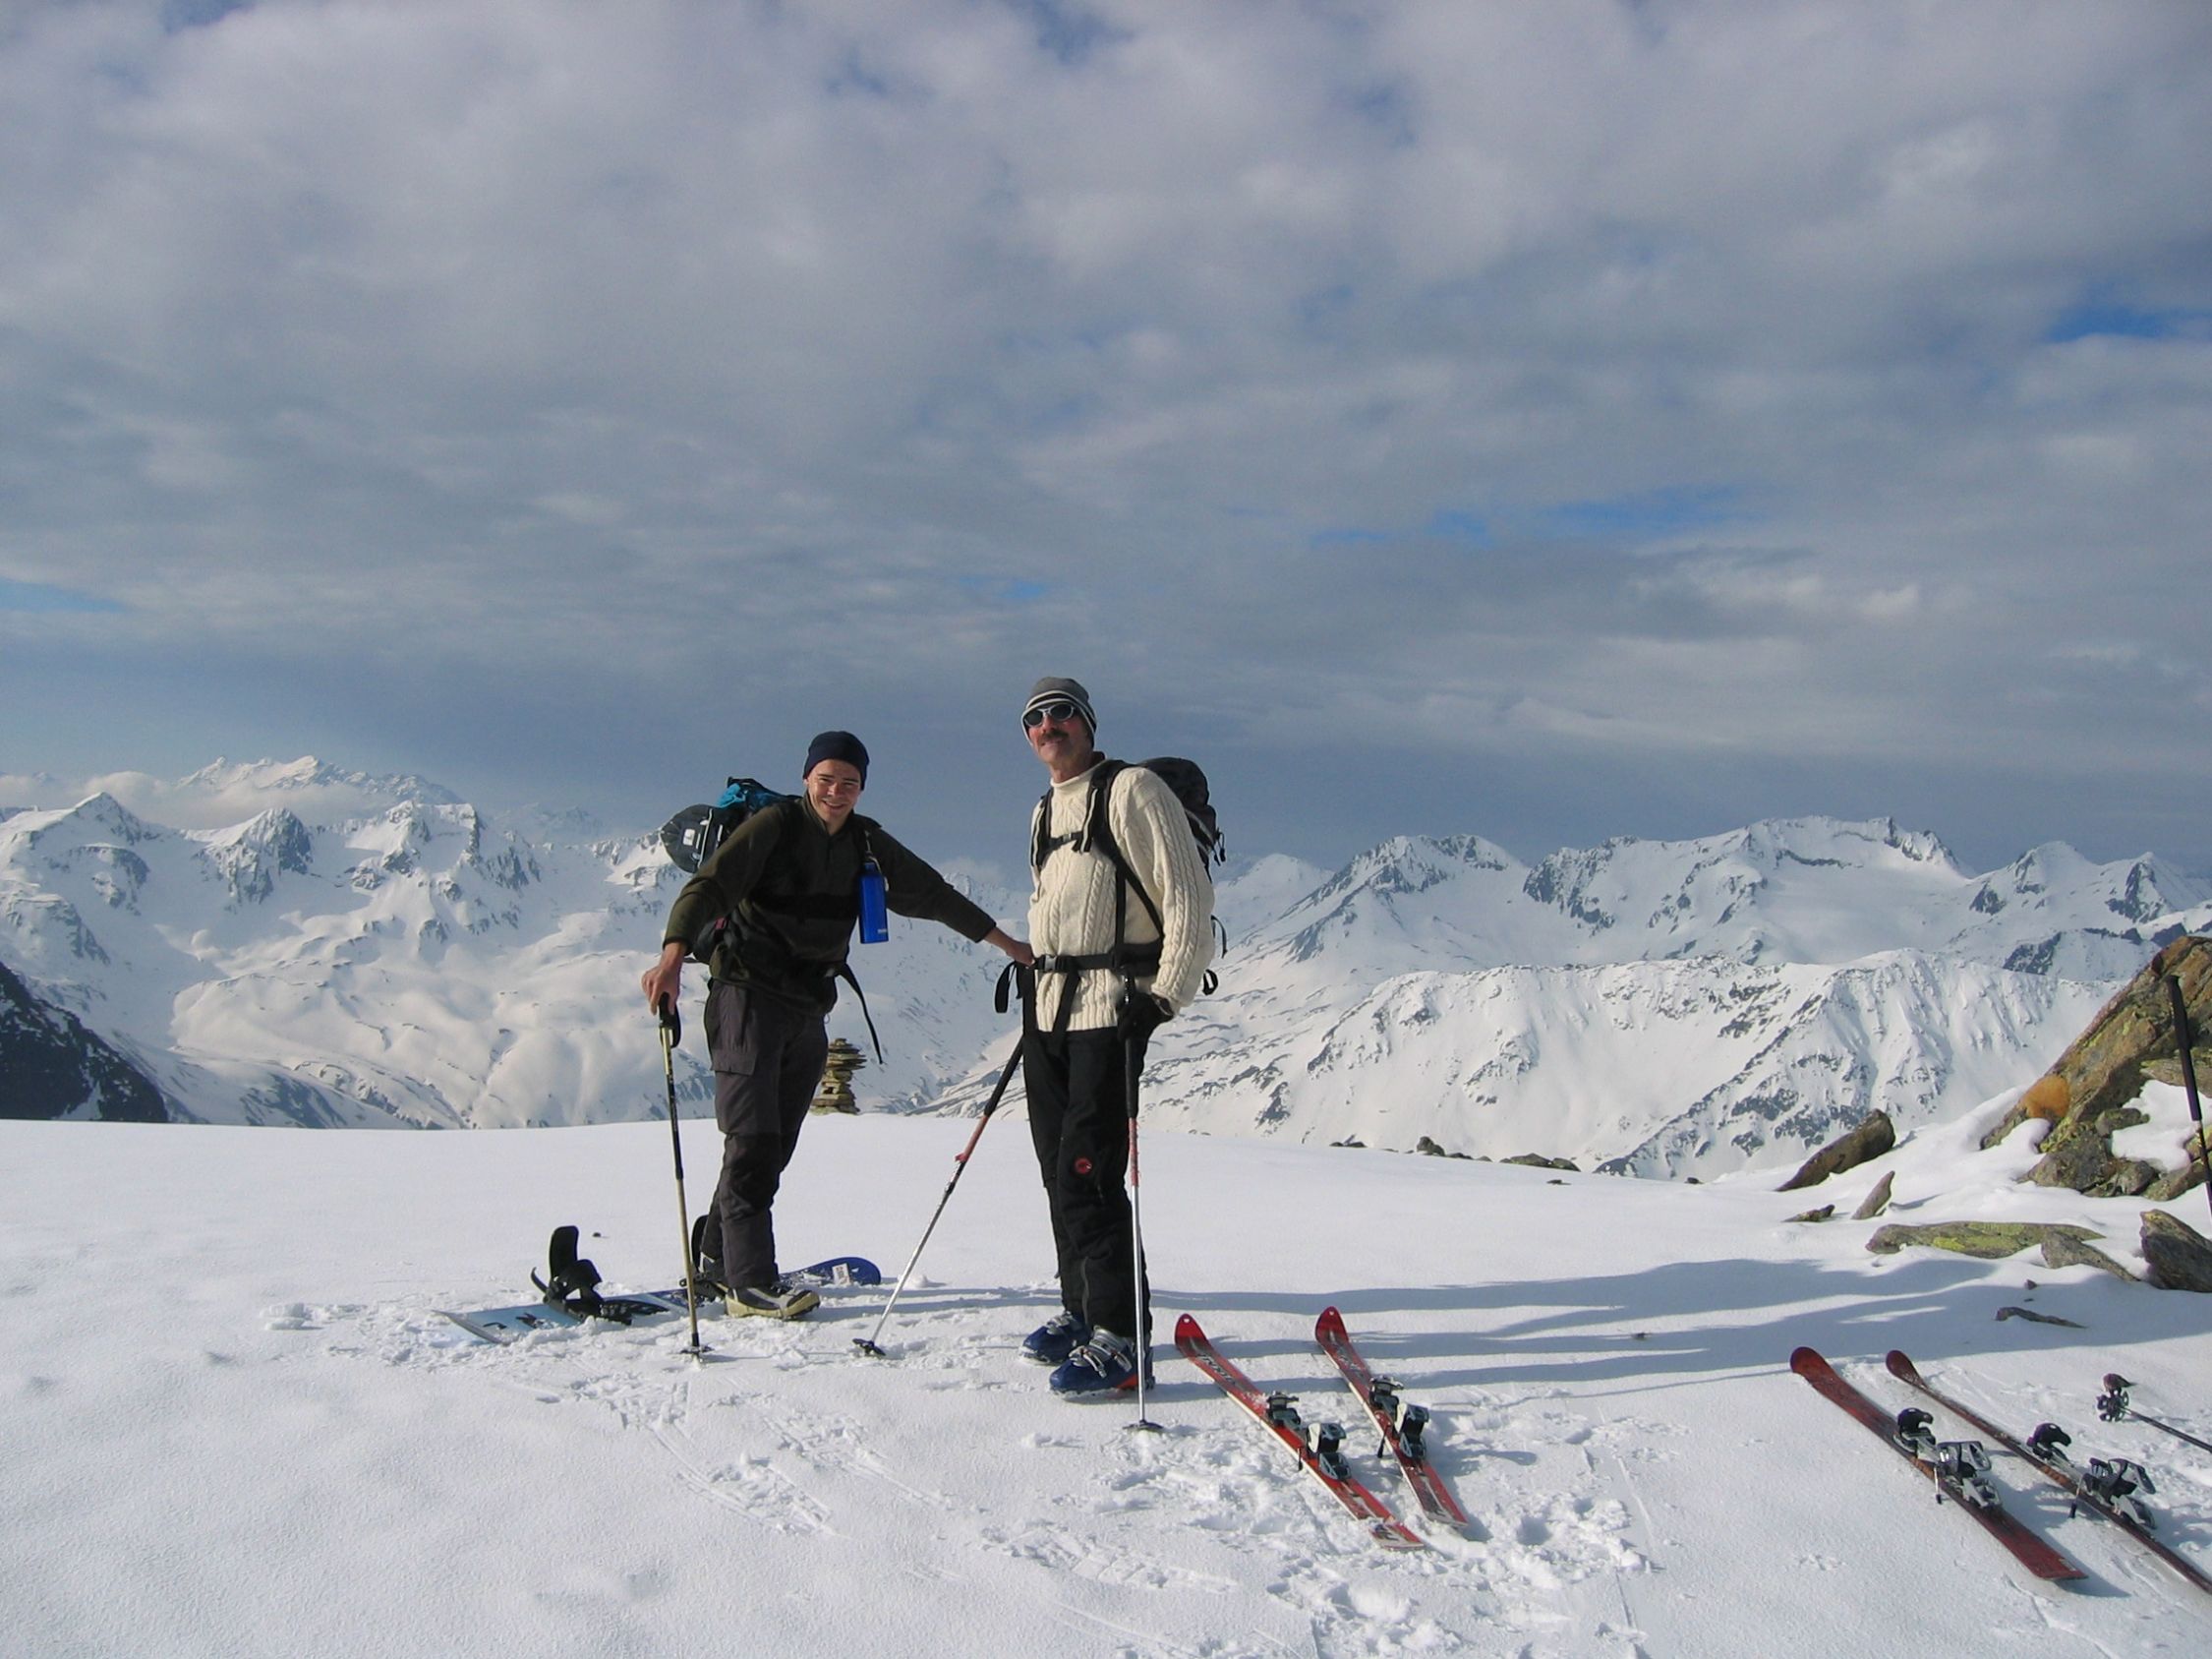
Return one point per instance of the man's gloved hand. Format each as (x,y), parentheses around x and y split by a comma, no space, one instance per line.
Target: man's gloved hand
(1141,1015)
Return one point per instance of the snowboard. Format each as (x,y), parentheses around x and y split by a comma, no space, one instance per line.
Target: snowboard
(838,1270)
(511,1324)
(508,1325)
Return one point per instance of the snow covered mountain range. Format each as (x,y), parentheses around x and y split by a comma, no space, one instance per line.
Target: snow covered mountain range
(373,951)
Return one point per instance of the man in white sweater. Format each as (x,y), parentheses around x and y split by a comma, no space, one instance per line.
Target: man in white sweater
(1122,945)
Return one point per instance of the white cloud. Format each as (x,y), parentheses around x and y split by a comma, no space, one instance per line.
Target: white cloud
(577,380)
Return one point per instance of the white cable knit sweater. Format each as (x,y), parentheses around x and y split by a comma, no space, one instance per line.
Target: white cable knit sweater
(1071,905)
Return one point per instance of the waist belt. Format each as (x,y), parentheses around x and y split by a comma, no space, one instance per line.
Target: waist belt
(1129,961)
(1131,958)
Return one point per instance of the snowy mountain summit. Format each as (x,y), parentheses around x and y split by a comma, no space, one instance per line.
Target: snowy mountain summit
(1800,890)
(374,951)
(1661,1007)
(308,780)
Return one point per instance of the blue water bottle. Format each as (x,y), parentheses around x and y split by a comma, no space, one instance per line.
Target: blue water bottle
(875,923)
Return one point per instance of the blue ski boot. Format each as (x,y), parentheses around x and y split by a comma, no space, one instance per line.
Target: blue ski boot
(1055,1340)
(1104,1365)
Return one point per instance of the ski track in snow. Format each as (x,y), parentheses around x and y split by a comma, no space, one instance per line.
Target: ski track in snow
(1549,1548)
(1557,1549)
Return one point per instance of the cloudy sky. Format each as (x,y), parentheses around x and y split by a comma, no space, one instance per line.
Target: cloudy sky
(1547,421)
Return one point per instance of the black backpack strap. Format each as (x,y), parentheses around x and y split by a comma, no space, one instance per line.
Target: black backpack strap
(1097,835)
(1086,836)
(844,970)
(1131,959)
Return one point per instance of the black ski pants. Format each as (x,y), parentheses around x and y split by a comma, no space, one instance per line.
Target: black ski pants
(1080,1124)
(768,1056)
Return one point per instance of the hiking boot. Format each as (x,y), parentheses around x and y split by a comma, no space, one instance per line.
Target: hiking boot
(1105,1364)
(1058,1337)
(763,1302)
(705,1261)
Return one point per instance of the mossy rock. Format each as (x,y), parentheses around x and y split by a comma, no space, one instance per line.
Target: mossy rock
(1992,1241)
(2060,1251)
(2173,1183)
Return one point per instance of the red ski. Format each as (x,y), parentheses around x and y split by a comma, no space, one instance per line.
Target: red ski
(1320,1453)
(1402,1425)
(2044,1450)
(2038,1557)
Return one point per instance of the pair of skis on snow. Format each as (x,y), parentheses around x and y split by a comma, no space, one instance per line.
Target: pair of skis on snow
(1319,1448)
(1959,1470)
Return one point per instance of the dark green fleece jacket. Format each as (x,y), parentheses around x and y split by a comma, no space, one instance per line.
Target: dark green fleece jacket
(794,889)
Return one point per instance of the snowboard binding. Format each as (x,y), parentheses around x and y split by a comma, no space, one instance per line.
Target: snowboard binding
(571,1284)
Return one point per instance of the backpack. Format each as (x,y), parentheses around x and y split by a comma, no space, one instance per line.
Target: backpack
(1187,782)
(692,835)
(690,839)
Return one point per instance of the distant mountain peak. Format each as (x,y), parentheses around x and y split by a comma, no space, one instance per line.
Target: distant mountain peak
(252,857)
(98,818)
(306,775)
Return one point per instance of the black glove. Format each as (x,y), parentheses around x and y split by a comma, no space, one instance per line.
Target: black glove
(1141,1015)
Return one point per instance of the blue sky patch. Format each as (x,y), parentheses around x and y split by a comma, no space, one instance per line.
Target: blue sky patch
(39,596)
(1450,524)
(1458,526)
(178,16)
(1006,590)
(1653,513)
(2115,317)
(1070,33)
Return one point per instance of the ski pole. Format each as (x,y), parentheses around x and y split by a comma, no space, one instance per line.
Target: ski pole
(672,1033)
(867,1344)
(2184,1041)
(1132,1059)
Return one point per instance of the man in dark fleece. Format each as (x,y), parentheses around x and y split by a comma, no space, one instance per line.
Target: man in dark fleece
(790,878)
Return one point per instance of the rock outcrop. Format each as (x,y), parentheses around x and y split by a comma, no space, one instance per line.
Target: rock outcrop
(1989,1240)
(2089,1095)
(2180,1257)
(1876,1201)
(1874,1136)
(2062,1245)
(52,1065)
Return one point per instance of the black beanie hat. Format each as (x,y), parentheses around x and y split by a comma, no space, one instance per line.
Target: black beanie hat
(836,746)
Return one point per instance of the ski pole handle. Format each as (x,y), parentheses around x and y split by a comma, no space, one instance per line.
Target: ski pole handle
(671,1021)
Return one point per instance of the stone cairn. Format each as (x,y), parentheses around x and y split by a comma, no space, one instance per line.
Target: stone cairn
(836,1092)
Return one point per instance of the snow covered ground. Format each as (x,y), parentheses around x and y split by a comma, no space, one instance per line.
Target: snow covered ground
(235,1423)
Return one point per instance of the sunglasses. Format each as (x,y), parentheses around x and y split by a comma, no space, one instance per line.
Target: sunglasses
(1058,713)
